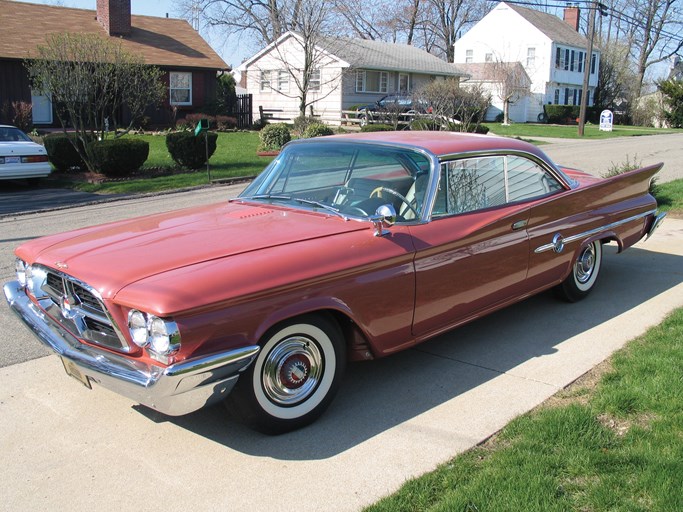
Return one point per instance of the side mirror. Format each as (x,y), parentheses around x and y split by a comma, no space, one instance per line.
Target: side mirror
(385,217)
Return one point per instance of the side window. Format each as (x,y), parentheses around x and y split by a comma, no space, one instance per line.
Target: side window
(477,183)
(527,180)
(472,184)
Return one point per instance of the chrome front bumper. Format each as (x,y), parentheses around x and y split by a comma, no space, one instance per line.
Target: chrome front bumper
(174,390)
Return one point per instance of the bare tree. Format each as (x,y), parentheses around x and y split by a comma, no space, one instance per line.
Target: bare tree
(445,19)
(510,83)
(90,80)
(264,20)
(652,29)
(448,101)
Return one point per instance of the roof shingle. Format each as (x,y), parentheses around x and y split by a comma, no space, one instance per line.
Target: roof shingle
(556,29)
(160,41)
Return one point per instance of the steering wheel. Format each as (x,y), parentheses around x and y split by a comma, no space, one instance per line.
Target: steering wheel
(378,193)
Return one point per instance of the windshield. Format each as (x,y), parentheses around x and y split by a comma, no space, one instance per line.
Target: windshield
(349,179)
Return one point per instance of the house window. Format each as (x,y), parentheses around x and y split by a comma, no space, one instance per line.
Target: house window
(315,81)
(593,60)
(571,61)
(557,97)
(265,81)
(530,57)
(588,98)
(180,87)
(488,57)
(469,56)
(283,81)
(403,82)
(371,81)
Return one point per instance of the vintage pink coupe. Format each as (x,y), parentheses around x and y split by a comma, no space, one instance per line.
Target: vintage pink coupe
(345,248)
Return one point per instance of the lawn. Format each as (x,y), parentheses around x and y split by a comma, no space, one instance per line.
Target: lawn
(616,445)
(235,156)
(527,130)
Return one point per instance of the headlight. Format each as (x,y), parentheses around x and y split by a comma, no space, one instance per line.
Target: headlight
(158,335)
(137,325)
(20,269)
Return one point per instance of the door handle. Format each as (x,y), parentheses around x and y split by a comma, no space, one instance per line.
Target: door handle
(520,224)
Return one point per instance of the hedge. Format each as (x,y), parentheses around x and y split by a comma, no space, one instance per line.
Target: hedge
(61,152)
(377,128)
(189,151)
(568,114)
(317,130)
(274,136)
(119,157)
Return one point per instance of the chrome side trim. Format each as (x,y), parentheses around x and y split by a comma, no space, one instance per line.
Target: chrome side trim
(174,390)
(570,239)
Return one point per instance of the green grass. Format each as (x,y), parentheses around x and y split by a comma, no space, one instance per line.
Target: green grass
(669,197)
(235,156)
(617,446)
(527,130)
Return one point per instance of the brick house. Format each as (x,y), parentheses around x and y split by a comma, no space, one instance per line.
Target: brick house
(190,65)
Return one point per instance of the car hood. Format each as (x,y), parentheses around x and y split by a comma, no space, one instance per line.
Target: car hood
(21,148)
(110,256)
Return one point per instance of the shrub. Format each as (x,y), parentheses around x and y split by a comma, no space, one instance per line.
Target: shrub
(274,136)
(189,151)
(224,123)
(568,114)
(119,157)
(377,128)
(317,130)
(301,123)
(259,124)
(22,115)
(62,153)
(425,124)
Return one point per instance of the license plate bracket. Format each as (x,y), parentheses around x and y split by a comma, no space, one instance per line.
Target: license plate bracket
(73,371)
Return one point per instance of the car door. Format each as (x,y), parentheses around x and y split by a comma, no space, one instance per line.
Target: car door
(474,253)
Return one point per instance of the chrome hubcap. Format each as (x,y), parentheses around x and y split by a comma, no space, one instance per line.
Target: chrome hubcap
(292,371)
(585,264)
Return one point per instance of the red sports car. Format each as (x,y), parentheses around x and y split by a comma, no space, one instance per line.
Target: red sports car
(345,248)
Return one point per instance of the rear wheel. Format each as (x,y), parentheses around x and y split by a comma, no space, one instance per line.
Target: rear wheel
(584,273)
(295,376)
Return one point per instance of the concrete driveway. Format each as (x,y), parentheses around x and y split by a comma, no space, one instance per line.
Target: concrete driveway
(66,447)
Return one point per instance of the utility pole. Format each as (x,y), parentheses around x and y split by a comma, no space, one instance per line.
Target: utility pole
(587,67)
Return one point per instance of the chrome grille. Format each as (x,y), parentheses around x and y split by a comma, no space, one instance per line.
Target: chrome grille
(78,307)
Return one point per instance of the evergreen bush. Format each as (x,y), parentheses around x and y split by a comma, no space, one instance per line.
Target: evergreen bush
(62,153)
(119,157)
(189,151)
(377,128)
(274,136)
(317,130)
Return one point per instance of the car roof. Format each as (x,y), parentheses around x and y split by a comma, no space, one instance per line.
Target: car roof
(441,143)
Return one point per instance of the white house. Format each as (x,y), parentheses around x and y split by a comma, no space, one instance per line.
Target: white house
(501,80)
(551,50)
(346,73)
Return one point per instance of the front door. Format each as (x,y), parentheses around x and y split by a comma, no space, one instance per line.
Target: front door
(42,108)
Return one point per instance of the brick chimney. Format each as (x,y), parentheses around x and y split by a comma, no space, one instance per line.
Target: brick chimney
(571,16)
(114,16)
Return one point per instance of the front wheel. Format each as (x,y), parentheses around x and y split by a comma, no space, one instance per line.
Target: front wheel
(294,378)
(584,273)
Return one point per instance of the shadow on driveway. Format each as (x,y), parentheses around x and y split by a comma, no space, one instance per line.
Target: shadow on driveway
(22,196)
(378,395)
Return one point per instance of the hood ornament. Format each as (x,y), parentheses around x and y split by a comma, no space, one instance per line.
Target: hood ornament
(61,264)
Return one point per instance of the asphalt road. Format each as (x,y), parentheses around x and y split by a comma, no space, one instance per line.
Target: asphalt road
(66,447)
